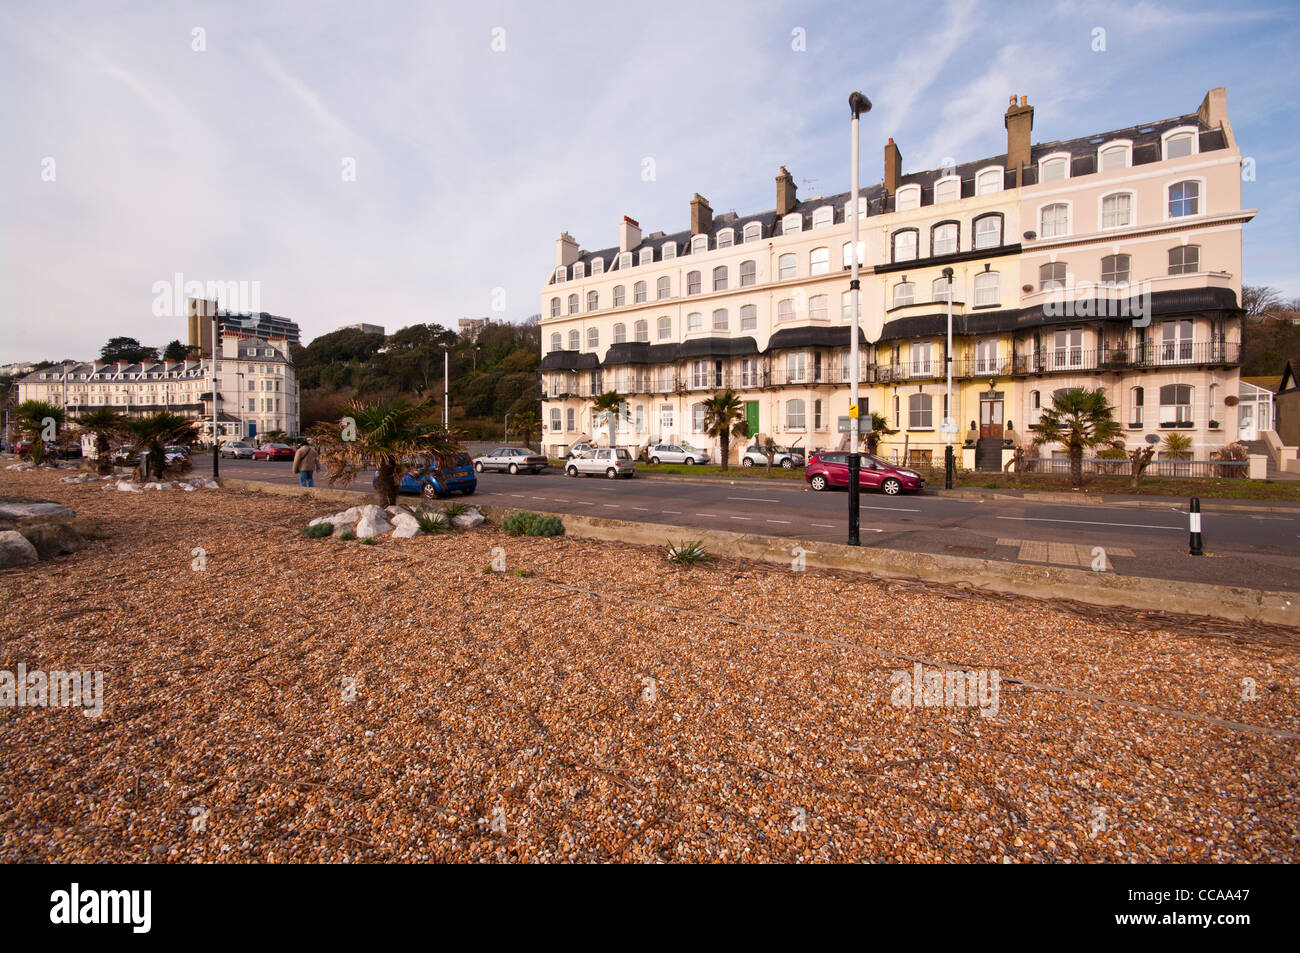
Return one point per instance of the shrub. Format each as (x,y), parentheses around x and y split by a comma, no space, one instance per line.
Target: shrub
(454,509)
(319,531)
(432,526)
(348,535)
(687,554)
(532,524)
(370,541)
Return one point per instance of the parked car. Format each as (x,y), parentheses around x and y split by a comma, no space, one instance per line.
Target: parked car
(437,481)
(612,463)
(826,470)
(580,450)
(125,455)
(237,450)
(787,457)
(511,460)
(274,451)
(676,453)
(22,446)
(174,454)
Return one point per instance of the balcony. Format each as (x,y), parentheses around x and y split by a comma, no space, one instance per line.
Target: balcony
(910,371)
(1158,354)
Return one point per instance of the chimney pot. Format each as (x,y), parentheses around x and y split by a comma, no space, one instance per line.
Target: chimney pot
(893,167)
(701,215)
(629,234)
(1019,122)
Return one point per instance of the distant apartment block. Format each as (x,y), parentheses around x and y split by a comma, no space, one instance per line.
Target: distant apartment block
(263,326)
(364,328)
(470,328)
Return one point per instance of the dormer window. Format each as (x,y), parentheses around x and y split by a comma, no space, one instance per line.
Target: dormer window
(792,223)
(1115,156)
(754,232)
(559,274)
(1181,142)
(647,256)
(726,238)
(699,244)
(579,270)
(1053,168)
(597,266)
(668,252)
(625,260)
(908,197)
(947,190)
(989,180)
(824,217)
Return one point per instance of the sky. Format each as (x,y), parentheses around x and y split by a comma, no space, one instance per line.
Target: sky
(406,162)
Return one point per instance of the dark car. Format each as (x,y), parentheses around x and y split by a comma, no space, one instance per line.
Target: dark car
(826,470)
(434,481)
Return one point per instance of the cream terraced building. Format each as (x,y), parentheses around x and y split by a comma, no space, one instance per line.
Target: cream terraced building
(1050,245)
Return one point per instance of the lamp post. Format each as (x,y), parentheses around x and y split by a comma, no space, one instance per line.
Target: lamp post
(216,443)
(949,421)
(858,104)
(446,372)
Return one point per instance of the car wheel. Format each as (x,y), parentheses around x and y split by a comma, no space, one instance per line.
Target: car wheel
(690,461)
(478,467)
(571,471)
(654,460)
(427,491)
(514,468)
(612,473)
(818,483)
(787,464)
(470,491)
(747,462)
(891,487)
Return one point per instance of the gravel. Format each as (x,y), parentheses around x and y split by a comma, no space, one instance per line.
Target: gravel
(273,698)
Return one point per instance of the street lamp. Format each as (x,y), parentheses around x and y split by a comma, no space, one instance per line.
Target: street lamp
(949,421)
(216,443)
(858,104)
(446,406)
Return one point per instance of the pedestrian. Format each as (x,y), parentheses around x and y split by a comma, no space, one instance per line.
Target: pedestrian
(305,462)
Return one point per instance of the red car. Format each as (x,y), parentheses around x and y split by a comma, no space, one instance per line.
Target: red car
(274,451)
(826,470)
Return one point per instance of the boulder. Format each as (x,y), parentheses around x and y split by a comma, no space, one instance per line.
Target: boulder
(52,539)
(341,528)
(406,526)
(157,486)
(126,486)
(15,550)
(372,523)
(468,520)
(22,511)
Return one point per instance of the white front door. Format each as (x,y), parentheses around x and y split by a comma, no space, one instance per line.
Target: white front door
(1246,427)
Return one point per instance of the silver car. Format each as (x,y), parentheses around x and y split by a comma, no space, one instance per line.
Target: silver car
(612,463)
(237,450)
(784,457)
(510,460)
(676,453)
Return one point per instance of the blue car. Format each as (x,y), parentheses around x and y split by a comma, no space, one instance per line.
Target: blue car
(436,481)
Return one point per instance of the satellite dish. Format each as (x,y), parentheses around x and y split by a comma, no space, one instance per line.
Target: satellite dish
(1153,438)
(1030,236)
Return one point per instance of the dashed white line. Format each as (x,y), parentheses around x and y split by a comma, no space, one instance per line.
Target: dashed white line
(752,499)
(830,525)
(745,518)
(777,521)
(674,512)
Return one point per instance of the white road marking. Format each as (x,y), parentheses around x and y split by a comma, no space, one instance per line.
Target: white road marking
(752,499)
(1043,519)
(674,512)
(610,506)
(643,509)
(896,509)
(778,521)
(745,518)
(709,515)
(831,525)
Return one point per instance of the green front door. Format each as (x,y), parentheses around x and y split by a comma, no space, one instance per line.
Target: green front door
(751,416)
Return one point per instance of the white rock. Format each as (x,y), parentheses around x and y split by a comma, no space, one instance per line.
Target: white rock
(406,526)
(341,528)
(19,511)
(15,550)
(128,487)
(373,524)
(468,520)
(188,488)
(157,486)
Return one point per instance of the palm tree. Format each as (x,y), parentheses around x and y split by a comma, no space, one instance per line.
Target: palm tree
(33,419)
(724,418)
(608,404)
(879,428)
(1079,419)
(153,434)
(105,423)
(525,423)
(382,434)
(1177,446)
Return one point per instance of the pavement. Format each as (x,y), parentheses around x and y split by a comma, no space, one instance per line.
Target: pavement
(1245,545)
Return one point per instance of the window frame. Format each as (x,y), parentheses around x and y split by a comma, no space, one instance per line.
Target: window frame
(620,332)
(749,317)
(699,244)
(597,266)
(990,170)
(912,191)
(911,294)
(593,339)
(752,274)
(1128,269)
(721,278)
(1132,209)
(975,230)
(946,181)
(791,405)
(659,327)
(725,324)
(1199,182)
(694,282)
(824,252)
(1069,218)
(1166,137)
(1058,285)
(668,251)
(663,287)
(640,328)
(823,216)
(1052,157)
(640,292)
(1182,265)
(1124,145)
(920,404)
(893,243)
(729,234)
(792,223)
(784,313)
(996,285)
(793,261)
(573,303)
(956,230)
(620,296)
(593,300)
(555,307)
(747,233)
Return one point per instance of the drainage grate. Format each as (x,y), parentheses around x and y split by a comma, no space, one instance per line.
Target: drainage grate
(968,550)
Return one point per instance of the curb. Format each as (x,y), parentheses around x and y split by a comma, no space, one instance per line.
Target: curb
(1034,581)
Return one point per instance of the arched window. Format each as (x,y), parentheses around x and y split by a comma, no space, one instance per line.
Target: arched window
(1051,276)
(920,412)
(1184,199)
(555,307)
(904,242)
(725,238)
(720,278)
(824,217)
(692,282)
(620,333)
(947,190)
(1184,259)
(819,307)
(559,274)
(785,310)
(792,223)
(579,270)
(695,321)
(597,266)
(593,338)
(1115,269)
(1180,142)
(663,288)
(1137,399)
(556,341)
(573,304)
(989,180)
(986,288)
(754,232)
(624,260)
(1054,220)
(1117,210)
(748,317)
(846,305)
(620,296)
(908,197)
(819,261)
(668,252)
(939,289)
(1053,168)
(575,340)
(720,319)
(1114,157)
(593,300)
(639,293)
(795,415)
(944,239)
(846,254)
(699,244)
(988,230)
(904,293)
(665,328)
(647,256)
(642,329)
(787,266)
(748,274)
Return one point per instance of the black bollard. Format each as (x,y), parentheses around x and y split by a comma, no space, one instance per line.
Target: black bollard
(855,465)
(1194,524)
(947,467)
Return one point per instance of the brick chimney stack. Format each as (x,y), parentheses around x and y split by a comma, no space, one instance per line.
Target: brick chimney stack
(1019,121)
(701,215)
(786,197)
(893,166)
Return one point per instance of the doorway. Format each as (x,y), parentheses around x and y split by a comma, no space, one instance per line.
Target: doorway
(991,417)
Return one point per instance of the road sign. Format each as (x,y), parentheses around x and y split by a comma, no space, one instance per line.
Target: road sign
(949,426)
(853,411)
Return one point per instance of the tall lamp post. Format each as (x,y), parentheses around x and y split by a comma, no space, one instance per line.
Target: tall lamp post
(446,372)
(216,442)
(949,421)
(858,104)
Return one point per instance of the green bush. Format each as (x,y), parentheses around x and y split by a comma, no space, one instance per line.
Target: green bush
(434,527)
(370,542)
(687,554)
(348,535)
(319,531)
(532,524)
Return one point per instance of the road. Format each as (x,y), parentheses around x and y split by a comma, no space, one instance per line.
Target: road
(1259,550)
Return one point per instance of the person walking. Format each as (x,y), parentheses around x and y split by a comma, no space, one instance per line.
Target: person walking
(305,462)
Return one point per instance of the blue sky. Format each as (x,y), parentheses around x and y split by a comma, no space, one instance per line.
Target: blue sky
(227,163)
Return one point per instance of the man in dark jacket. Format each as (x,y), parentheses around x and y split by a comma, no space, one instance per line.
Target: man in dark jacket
(305,462)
